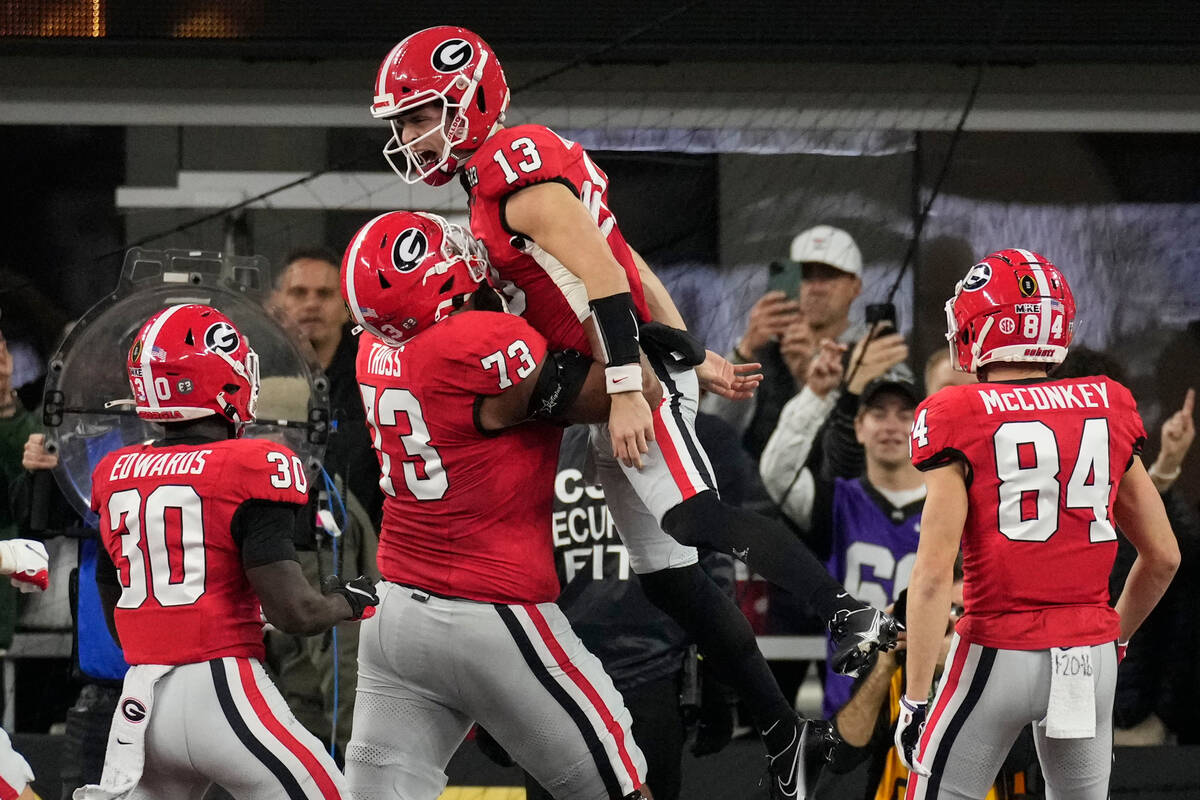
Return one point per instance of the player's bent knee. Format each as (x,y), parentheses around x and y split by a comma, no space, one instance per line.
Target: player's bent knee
(698,521)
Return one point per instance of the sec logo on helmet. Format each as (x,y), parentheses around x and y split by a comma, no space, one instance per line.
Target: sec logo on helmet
(452,55)
(409,249)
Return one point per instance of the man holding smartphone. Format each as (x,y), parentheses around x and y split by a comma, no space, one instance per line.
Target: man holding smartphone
(807,300)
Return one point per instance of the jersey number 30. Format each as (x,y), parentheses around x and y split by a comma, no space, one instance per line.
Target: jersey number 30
(385,410)
(1027,464)
(173,568)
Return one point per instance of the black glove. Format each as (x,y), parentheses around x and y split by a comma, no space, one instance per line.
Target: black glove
(672,345)
(359,593)
(491,748)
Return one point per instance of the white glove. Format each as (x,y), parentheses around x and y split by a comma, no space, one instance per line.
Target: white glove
(14,769)
(908,733)
(26,561)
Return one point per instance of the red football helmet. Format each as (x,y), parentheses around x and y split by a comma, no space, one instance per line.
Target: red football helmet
(406,270)
(451,66)
(1013,305)
(190,361)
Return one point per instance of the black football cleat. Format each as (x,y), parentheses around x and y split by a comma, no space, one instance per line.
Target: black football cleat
(857,635)
(793,771)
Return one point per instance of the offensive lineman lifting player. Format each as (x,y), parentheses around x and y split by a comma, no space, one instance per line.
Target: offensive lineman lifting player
(467,628)
(197,529)
(539,205)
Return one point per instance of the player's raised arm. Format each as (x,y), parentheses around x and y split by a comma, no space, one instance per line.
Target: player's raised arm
(558,222)
(1140,514)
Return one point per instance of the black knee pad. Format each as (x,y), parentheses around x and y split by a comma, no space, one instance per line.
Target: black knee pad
(698,521)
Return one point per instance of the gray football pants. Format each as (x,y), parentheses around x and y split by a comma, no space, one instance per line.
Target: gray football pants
(986,697)
(429,667)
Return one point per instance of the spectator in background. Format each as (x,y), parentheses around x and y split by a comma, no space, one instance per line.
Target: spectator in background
(308,297)
(865,528)
(940,373)
(792,461)
(830,266)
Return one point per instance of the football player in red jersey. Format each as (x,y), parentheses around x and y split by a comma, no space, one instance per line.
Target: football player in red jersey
(1031,476)
(467,628)
(539,205)
(198,528)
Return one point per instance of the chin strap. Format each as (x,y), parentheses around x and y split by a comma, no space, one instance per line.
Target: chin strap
(977,347)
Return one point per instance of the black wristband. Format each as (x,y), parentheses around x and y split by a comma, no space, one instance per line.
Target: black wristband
(617,328)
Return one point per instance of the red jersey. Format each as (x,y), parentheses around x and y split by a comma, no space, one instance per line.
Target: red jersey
(166,514)
(538,287)
(464,512)
(1044,460)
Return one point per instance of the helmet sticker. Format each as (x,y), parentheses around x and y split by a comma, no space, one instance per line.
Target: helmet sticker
(1027,285)
(221,337)
(409,249)
(977,277)
(1007,326)
(452,55)
(185,386)
(135,352)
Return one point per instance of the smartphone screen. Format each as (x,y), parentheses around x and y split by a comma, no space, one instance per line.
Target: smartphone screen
(784,277)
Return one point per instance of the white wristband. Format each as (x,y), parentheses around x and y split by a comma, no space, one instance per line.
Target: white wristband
(625,378)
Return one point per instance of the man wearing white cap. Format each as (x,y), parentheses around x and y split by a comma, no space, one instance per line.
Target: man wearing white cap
(784,327)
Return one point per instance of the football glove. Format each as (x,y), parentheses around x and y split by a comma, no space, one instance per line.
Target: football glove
(1122,649)
(908,733)
(359,593)
(27,564)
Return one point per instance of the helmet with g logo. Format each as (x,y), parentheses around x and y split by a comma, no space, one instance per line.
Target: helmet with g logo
(406,270)
(190,361)
(1013,306)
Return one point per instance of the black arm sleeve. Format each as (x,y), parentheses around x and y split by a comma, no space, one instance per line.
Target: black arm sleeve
(842,454)
(559,383)
(819,535)
(263,530)
(106,570)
